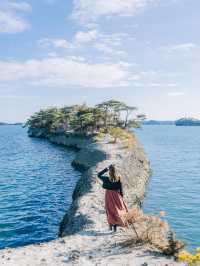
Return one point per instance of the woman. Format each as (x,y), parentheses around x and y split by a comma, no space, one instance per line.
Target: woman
(114,203)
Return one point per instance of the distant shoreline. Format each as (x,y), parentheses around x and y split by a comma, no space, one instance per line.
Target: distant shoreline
(158,122)
(10,124)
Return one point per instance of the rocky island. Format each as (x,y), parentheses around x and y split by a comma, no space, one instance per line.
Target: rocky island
(100,138)
(187,122)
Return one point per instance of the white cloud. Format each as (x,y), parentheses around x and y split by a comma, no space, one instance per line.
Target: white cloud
(176,93)
(81,38)
(90,10)
(162,85)
(21,6)
(112,44)
(153,76)
(10,20)
(63,72)
(57,43)
(86,36)
(108,44)
(155,79)
(108,49)
(9,23)
(104,48)
(183,47)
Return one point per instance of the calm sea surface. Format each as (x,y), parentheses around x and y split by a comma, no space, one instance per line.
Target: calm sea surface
(37,180)
(174,187)
(36,184)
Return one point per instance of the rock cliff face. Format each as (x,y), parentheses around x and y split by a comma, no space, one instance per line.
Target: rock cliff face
(92,156)
(37,132)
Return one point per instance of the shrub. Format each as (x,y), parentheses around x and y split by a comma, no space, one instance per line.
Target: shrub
(125,136)
(147,229)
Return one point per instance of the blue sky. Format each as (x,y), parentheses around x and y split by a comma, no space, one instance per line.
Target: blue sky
(63,52)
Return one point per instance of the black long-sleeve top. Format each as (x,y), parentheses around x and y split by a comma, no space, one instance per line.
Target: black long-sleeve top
(108,184)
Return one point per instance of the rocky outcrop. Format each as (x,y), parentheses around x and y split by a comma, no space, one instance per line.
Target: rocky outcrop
(37,132)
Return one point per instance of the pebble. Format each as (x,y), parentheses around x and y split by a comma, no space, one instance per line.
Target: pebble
(65,260)
(74,254)
(62,241)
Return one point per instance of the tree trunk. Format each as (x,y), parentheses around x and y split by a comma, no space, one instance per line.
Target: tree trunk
(126,120)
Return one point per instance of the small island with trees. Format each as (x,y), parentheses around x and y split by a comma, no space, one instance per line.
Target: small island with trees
(187,121)
(111,116)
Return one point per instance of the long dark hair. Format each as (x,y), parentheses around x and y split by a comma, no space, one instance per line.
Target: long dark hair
(112,172)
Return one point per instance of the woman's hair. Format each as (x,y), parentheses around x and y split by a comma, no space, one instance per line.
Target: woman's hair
(112,173)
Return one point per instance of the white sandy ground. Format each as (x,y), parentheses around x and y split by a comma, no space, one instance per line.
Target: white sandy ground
(95,245)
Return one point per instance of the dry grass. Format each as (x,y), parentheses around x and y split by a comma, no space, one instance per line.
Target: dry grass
(153,230)
(118,134)
(100,136)
(123,135)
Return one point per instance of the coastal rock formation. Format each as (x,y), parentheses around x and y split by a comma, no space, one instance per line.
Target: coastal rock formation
(37,132)
(85,236)
(93,156)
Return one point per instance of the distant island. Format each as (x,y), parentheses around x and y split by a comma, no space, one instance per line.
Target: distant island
(158,122)
(187,122)
(10,124)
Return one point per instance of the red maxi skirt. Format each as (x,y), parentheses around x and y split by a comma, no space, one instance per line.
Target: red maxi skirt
(115,207)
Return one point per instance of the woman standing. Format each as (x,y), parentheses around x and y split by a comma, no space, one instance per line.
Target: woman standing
(114,203)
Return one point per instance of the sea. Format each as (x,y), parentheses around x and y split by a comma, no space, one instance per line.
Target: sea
(36,185)
(37,181)
(174,187)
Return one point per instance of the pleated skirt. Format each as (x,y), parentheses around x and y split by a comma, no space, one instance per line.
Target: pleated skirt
(115,207)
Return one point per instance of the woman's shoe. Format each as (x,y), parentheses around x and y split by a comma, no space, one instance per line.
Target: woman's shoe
(110,227)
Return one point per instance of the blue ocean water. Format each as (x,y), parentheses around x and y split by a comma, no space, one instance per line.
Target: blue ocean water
(37,180)
(36,184)
(174,187)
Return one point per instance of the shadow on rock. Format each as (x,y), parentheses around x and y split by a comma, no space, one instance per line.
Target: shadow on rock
(71,225)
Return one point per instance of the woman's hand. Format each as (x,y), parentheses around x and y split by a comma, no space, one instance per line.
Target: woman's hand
(111,166)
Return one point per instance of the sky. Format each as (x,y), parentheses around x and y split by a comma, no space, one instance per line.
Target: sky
(145,53)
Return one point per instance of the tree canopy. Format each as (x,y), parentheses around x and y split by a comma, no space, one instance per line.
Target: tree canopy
(84,119)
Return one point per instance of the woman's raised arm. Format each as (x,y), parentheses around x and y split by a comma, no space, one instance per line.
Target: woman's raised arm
(100,174)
